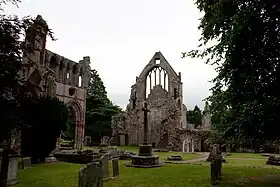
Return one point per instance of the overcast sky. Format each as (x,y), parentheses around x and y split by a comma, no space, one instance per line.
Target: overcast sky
(121,36)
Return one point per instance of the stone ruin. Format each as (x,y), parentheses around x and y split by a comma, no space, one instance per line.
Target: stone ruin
(105,141)
(162,89)
(56,76)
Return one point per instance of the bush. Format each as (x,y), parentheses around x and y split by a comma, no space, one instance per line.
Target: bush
(44,117)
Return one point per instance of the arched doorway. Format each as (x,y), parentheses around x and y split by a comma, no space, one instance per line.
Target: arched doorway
(75,117)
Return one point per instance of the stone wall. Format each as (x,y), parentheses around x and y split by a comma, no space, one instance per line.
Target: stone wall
(56,76)
(161,88)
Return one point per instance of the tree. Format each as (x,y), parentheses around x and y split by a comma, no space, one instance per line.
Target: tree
(12,48)
(44,117)
(244,99)
(194,116)
(99,109)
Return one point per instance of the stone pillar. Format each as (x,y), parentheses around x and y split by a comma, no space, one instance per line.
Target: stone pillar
(122,139)
(79,136)
(188,146)
(57,146)
(115,164)
(192,145)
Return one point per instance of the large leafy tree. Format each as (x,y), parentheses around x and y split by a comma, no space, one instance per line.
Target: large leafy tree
(99,109)
(246,52)
(194,116)
(12,48)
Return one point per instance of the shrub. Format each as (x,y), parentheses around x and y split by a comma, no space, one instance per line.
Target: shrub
(44,117)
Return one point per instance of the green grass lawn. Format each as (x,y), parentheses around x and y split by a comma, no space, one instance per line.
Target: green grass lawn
(248,155)
(174,175)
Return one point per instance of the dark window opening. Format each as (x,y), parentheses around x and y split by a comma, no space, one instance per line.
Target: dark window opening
(175,93)
(134,101)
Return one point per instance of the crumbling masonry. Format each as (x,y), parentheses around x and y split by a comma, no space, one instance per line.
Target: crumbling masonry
(57,76)
(161,88)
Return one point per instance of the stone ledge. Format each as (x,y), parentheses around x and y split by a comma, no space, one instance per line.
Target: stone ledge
(129,164)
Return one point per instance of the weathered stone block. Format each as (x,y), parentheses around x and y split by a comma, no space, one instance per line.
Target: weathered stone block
(273,160)
(105,166)
(91,175)
(145,150)
(175,158)
(12,171)
(115,164)
(26,162)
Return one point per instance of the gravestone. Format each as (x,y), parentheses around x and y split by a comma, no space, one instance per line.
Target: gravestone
(12,170)
(105,166)
(91,175)
(26,162)
(87,141)
(105,141)
(115,164)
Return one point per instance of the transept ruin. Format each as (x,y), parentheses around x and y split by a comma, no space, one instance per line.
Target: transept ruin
(56,76)
(161,88)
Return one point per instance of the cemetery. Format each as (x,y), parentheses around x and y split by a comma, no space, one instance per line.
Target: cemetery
(247,169)
(59,127)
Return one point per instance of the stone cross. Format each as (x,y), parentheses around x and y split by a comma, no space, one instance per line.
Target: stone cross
(146,110)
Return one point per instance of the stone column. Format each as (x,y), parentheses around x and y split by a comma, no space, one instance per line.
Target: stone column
(192,145)
(122,139)
(79,136)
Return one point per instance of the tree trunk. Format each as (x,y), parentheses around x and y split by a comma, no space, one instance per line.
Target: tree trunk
(4,168)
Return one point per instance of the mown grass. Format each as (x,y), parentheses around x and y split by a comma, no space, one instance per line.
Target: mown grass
(65,174)
(248,155)
(174,175)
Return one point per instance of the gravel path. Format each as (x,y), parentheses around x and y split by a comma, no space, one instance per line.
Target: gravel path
(240,158)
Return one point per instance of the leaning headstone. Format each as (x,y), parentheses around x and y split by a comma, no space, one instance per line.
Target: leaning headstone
(105,166)
(115,164)
(91,175)
(12,170)
(26,162)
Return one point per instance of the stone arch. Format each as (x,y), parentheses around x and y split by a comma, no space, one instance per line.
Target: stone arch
(188,144)
(76,111)
(53,63)
(67,75)
(75,74)
(61,70)
(157,76)
(157,62)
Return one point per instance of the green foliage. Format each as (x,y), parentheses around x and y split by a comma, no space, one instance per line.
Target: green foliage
(99,109)
(244,99)
(44,118)
(12,48)
(194,116)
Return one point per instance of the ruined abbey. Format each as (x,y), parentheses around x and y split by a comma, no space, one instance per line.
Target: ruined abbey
(57,76)
(158,85)
(161,88)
